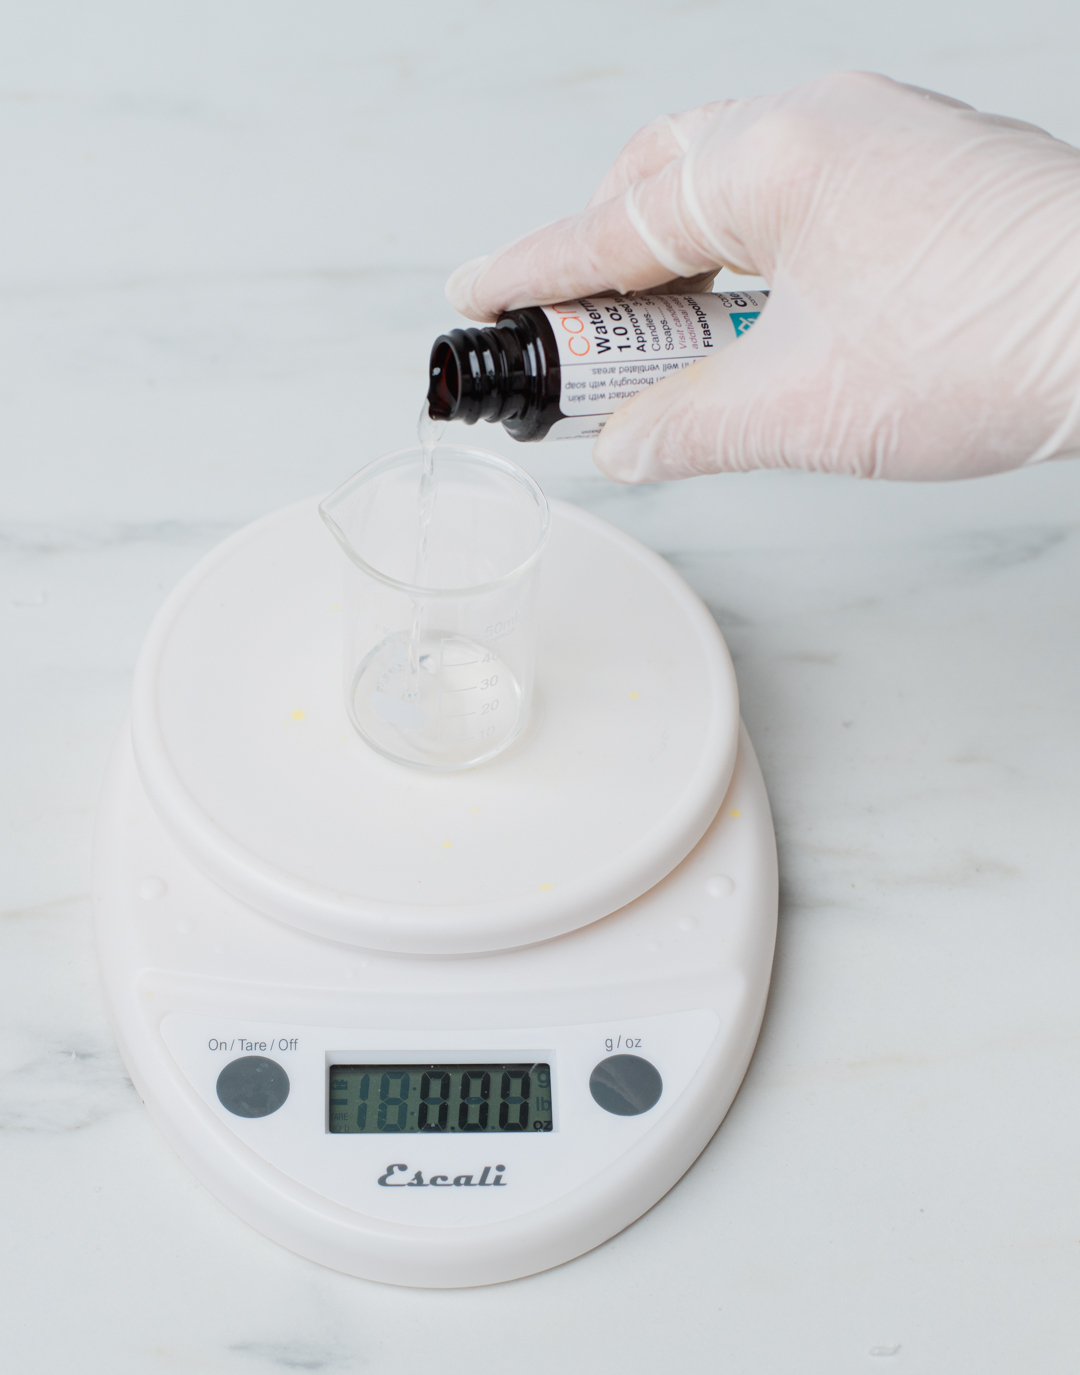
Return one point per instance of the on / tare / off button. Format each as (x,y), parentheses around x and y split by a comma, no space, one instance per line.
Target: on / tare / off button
(252,1086)
(626,1085)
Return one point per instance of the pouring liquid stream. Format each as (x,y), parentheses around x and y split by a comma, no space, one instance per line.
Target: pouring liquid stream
(429,432)
(446,694)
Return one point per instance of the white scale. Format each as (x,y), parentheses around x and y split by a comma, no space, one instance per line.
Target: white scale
(307,948)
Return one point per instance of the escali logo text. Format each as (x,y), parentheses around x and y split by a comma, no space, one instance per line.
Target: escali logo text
(441,1181)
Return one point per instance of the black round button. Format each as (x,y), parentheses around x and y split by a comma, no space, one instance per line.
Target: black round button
(626,1085)
(252,1086)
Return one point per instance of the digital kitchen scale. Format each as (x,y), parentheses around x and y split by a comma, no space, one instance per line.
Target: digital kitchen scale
(435,1029)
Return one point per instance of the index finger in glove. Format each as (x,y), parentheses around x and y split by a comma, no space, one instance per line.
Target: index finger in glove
(654,145)
(649,234)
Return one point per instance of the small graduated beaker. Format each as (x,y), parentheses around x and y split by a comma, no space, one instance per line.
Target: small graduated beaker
(439,602)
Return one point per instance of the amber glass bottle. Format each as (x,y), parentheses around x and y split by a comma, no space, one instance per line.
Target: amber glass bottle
(560,371)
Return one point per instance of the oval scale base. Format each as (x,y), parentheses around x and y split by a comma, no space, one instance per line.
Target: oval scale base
(431,1118)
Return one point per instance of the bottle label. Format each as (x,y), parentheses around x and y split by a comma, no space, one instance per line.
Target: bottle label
(610,348)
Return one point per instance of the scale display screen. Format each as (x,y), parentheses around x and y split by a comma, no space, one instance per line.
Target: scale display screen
(440,1098)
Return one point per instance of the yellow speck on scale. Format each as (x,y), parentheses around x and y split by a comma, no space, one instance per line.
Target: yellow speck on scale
(735,812)
(546,887)
(447,844)
(336,606)
(298,715)
(474,809)
(634,696)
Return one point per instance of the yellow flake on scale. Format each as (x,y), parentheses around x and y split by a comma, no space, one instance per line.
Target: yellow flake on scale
(297,715)
(546,887)
(447,844)
(734,812)
(634,696)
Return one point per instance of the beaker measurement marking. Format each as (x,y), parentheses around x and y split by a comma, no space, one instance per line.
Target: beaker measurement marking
(422,691)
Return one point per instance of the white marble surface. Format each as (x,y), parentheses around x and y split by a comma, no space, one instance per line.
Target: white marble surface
(223,232)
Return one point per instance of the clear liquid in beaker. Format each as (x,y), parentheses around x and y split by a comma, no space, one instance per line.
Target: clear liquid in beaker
(443,696)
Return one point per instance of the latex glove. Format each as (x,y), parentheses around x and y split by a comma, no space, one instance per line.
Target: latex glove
(924,261)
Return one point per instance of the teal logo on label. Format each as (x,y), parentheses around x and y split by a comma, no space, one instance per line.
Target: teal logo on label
(743,319)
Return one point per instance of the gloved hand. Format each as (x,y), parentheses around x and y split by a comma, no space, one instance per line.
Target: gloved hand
(924,261)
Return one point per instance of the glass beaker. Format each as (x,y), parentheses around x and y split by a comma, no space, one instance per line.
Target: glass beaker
(439,602)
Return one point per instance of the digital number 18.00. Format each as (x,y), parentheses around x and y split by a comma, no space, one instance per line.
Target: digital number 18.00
(474,1101)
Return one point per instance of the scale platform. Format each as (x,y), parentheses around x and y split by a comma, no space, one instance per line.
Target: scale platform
(435,1029)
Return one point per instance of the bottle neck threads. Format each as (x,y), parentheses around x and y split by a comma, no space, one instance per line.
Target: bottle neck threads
(477,374)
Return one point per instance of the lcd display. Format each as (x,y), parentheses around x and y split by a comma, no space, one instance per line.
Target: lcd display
(440,1098)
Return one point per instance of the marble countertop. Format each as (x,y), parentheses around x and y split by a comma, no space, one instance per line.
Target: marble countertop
(222,245)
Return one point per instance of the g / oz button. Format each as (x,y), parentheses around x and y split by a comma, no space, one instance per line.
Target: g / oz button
(252,1086)
(626,1085)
